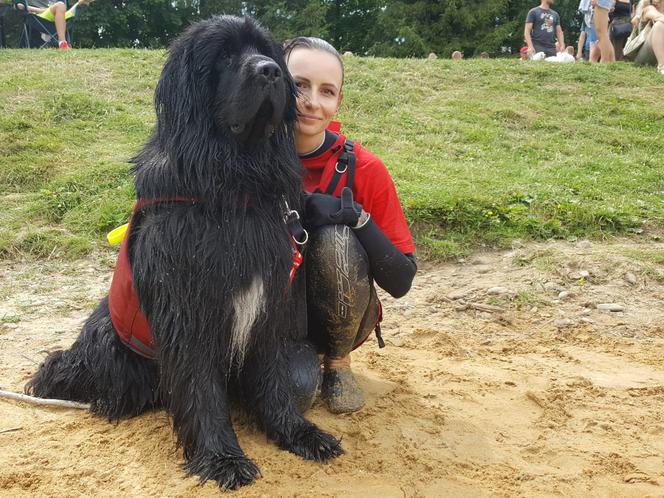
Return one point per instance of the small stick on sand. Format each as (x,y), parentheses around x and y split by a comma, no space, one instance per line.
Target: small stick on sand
(59,403)
(11,430)
(479,307)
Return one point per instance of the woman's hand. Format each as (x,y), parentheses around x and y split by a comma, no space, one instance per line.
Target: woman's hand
(323,209)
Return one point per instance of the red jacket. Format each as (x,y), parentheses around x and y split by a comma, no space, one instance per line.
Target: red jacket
(373,188)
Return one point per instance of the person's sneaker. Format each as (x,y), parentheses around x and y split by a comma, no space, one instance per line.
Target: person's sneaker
(660,69)
(64,45)
(340,391)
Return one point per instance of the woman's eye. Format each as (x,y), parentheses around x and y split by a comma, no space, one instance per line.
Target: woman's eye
(300,84)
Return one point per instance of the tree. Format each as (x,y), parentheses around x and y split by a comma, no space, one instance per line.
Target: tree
(396,28)
(119,23)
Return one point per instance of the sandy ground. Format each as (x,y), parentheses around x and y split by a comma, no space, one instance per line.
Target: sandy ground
(535,395)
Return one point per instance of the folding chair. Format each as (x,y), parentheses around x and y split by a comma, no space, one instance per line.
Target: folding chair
(39,32)
(3,36)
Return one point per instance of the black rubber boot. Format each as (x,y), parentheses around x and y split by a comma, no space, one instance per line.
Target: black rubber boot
(341,302)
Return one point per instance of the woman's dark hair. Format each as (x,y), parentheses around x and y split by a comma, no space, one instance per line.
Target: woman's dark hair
(312,43)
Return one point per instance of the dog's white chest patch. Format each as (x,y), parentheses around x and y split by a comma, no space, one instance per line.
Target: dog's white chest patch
(247,305)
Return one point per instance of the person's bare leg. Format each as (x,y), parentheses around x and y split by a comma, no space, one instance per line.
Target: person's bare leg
(602,28)
(595,53)
(657,42)
(58,11)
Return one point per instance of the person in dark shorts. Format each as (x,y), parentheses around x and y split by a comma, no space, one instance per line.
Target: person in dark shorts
(619,22)
(358,234)
(543,29)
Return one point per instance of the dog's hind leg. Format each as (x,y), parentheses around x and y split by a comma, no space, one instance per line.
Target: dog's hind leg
(100,370)
(268,395)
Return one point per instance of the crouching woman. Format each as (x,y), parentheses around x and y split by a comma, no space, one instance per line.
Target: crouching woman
(358,234)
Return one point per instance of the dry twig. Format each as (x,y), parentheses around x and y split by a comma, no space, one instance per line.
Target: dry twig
(58,403)
(479,307)
(11,430)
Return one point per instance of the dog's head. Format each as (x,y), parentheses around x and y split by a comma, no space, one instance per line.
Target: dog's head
(225,78)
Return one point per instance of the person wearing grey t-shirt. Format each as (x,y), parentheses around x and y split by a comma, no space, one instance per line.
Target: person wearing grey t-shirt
(543,29)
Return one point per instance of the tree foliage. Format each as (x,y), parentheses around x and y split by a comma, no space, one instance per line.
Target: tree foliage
(395,28)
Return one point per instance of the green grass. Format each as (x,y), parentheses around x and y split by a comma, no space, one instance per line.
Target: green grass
(653,256)
(482,151)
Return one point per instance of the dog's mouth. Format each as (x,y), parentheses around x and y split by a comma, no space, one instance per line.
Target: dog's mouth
(262,125)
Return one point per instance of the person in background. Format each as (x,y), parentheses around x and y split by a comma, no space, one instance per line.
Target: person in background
(57,13)
(652,50)
(601,9)
(543,29)
(457,55)
(581,48)
(619,26)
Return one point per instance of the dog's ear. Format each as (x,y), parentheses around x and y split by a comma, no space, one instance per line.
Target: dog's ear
(290,116)
(183,94)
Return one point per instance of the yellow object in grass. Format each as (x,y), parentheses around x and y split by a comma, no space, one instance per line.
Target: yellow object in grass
(117,235)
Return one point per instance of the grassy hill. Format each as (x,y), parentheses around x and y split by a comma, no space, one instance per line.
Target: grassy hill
(482,151)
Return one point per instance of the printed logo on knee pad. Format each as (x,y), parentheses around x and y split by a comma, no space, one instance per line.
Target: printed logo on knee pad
(341,248)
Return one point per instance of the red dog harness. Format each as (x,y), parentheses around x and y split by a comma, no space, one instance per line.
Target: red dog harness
(128,320)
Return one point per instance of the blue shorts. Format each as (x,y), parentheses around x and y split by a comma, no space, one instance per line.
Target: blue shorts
(591,35)
(606,4)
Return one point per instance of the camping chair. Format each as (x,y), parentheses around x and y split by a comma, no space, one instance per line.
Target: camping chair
(3,37)
(39,32)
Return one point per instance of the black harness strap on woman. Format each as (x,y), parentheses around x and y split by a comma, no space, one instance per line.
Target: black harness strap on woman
(345,165)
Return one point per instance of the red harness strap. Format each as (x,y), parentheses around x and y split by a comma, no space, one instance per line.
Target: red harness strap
(128,320)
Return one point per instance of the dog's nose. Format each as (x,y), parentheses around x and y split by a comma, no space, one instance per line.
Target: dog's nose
(268,69)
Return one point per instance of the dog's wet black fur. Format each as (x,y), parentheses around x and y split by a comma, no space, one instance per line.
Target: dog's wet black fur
(226,112)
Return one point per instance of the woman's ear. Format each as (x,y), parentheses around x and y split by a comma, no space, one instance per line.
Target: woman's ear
(341,99)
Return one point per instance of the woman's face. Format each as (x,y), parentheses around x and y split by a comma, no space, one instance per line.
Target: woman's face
(318,76)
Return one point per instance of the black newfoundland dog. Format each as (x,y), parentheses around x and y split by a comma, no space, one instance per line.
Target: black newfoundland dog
(209,258)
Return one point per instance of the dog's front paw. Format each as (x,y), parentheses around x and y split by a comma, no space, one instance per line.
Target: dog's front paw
(230,472)
(311,443)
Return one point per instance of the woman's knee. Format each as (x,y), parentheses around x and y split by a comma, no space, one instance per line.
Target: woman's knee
(335,251)
(304,373)
(657,30)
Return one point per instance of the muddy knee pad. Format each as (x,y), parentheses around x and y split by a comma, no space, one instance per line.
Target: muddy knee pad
(339,290)
(304,373)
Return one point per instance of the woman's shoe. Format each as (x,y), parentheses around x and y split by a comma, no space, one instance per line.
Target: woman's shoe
(340,391)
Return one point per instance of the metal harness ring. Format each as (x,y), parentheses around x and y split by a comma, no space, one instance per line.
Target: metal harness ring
(341,172)
(306,238)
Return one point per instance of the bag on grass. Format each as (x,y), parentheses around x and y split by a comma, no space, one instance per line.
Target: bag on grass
(636,40)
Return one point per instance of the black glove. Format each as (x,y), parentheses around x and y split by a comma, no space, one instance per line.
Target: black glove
(323,209)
